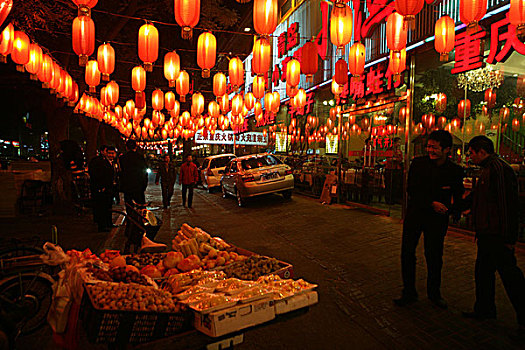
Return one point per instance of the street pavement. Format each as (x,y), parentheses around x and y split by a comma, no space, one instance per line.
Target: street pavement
(354,257)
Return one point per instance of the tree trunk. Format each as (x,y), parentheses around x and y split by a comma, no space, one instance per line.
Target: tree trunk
(90,128)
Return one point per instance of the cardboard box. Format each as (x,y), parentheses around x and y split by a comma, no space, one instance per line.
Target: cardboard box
(235,318)
(296,302)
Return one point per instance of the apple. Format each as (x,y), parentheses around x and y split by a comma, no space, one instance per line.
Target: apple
(172,259)
(151,271)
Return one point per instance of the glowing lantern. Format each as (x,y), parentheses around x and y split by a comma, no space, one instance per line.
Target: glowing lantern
(55,80)
(341,72)
(45,74)
(516,15)
(206,53)
(138,79)
(441,103)
(249,100)
(183,85)
(197,102)
(148,45)
(300,98)
(187,13)
(258,87)
(261,56)
(445,37)
(237,104)
(442,121)
(171,67)
(169,100)
(5,9)
(356,59)
(35,61)
(224,103)
(236,72)
(471,12)
(140,100)
(396,32)
(504,114)
(257,108)
(219,84)
(293,72)
(6,42)
(174,113)
(464,108)
(112,92)
(129,108)
(397,62)
(265,16)
(336,88)
(276,103)
(402,114)
(490,98)
(213,109)
(106,60)
(291,91)
(409,9)
(341,25)
(157,99)
(268,101)
(20,53)
(309,61)
(104,97)
(83,38)
(68,85)
(92,75)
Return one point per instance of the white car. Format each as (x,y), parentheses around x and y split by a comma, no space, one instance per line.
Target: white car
(213,168)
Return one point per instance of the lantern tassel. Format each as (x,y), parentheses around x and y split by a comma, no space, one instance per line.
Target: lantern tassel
(182,98)
(443,57)
(205,73)
(3,59)
(172,83)
(20,68)
(105,77)
(148,67)
(187,33)
(520,31)
(472,28)
(82,60)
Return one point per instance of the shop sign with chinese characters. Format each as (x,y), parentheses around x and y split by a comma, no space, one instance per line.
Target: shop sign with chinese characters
(281,141)
(377,79)
(306,110)
(226,138)
(331,143)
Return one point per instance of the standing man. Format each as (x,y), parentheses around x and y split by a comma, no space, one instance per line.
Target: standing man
(432,182)
(133,175)
(112,157)
(167,175)
(188,178)
(101,180)
(495,210)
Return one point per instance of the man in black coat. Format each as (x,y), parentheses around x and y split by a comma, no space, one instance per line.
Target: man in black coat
(101,174)
(133,175)
(167,175)
(433,181)
(495,211)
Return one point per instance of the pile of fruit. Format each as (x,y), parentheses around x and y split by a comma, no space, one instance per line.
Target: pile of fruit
(252,268)
(194,241)
(144,259)
(127,274)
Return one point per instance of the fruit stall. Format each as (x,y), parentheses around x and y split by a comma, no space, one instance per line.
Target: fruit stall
(203,288)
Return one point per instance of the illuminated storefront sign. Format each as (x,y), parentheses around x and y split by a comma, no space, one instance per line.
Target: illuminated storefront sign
(226,138)
(331,143)
(281,141)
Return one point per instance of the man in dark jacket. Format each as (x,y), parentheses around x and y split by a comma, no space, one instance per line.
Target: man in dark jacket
(189,175)
(166,174)
(133,175)
(433,181)
(495,210)
(101,175)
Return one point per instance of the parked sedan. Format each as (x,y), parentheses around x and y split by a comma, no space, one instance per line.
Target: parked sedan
(256,174)
(213,168)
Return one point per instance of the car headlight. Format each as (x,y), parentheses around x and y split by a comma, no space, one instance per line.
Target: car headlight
(148,170)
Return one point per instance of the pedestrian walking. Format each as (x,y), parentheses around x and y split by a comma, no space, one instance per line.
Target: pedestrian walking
(167,175)
(133,175)
(112,157)
(433,181)
(495,212)
(188,178)
(101,175)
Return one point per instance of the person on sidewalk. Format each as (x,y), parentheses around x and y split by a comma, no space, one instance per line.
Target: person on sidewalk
(188,177)
(495,212)
(133,175)
(101,175)
(166,174)
(433,180)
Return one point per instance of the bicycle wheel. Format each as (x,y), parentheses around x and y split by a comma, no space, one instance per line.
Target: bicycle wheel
(19,251)
(28,298)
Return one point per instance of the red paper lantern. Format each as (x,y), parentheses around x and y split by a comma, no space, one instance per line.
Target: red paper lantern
(396,32)
(276,103)
(341,72)
(445,36)
(464,108)
(504,114)
(300,98)
(92,75)
(258,87)
(183,85)
(293,72)
(157,100)
(236,72)
(148,45)
(206,53)
(265,16)
(214,109)
(83,38)
(224,103)
(442,121)
(309,60)
(356,59)
(516,15)
(197,103)
(237,104)
(187,13)
(20,53)
(6,42)
(219,84)
(403,111)
(112,92)
(106,60)
(104,97)
(471,12)
(169,100)
(55,80)
(262,56)
(397,62)
(490,98)
(138,79)
(45,74)
(409,9)
(5,9)
(171,67)
(35,60)
(341,25)
(516,124)
(441,103)
(249,101)
(336,88)
(291,91)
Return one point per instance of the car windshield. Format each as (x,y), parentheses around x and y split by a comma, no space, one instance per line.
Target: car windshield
(259,162)
(220,162)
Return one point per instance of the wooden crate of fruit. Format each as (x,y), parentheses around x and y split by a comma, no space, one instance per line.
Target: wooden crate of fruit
(131,313)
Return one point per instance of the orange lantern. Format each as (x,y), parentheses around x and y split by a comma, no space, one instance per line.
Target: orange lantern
(237,104)
(265,16)
(171,67)
(441,102)
(5,9)
(257,108)
(197,102)
(396,32)
(20,53)
(157,100)
(291,91)
(336,88)
(445,36)
(92,75)
(169,100)
(183,85)
(341,72)
(471,12)
(104,97)
(140,100)
(214,109)
(300,98)
(516,16)
(341,25)
(490,98)
(442,121)
(309,60)
(397,62)
(45,74)
(55,79)
(262,57)
(148,45)
(516,124)
(293,72)
(106,60)
(187,13)
(112,92)
(402,114)
(268,101)
(83,38)
(504,114)
(236,72)
(356,59)
(206,53)
(138,80)
(6,42)
(276,103)
(68,86)
(224,103)
(249,101)
(464,108)
(35,61)
(409,9)
(258,87)
(74,95)
(219,84)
